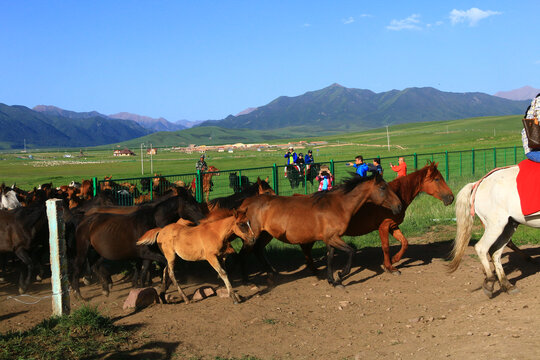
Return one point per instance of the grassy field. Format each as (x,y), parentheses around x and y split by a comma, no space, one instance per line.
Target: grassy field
(424,139)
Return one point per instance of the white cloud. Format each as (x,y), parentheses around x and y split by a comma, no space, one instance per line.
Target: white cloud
(365,15)
(349,20)
(472,16)
(410,23)
(306,25)
(438,23)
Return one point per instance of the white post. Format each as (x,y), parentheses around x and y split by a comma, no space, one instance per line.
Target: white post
(142,166)
(151,162)
(59,262)
(388,137)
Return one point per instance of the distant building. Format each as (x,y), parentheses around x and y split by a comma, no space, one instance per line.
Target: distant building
(151,151)
(124,152)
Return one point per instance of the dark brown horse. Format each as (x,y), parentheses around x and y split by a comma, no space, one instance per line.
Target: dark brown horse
(113,236)
(206,181)
(371,217)
(330,213)
(24,231)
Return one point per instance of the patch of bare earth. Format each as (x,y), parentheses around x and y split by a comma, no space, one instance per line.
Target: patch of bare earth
(425,313)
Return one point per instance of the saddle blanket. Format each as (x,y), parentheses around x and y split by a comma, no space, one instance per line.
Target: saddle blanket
(528,186)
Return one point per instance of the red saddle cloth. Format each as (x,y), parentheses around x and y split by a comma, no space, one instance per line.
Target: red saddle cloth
(528,186)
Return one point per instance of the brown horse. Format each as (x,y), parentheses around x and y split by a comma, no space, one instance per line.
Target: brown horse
(206,241)
(206,181)
(330,213)
(24,231)
(371,217)
(113,236)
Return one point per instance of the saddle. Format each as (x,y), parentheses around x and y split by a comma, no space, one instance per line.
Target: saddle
(527,186)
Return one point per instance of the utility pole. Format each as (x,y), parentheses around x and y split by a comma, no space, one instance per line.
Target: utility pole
(388,137)
(142,162)
(151,161)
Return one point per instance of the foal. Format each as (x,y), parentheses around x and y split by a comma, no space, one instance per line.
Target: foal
(207,241)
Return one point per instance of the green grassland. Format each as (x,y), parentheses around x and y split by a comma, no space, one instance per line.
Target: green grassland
(429,140)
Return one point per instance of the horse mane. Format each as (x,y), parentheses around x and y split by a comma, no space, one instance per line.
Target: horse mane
(233,201)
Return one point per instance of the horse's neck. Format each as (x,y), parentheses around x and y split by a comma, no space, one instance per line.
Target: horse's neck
(408,187)
(355,198)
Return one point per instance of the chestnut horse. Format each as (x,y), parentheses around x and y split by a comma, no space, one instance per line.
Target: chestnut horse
(113,236)
(206,181)
(206,241)
(371,217)
(330,213)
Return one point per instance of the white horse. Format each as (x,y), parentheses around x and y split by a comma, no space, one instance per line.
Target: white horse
(497,204)
(9,201)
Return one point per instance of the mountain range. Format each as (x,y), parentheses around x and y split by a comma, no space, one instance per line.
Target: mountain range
(334,109)
(346,109)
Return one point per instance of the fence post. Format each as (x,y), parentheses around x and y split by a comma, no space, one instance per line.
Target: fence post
(472,161)
(446,161)
(240,179)
(275,178)
(152,189)
(415,161)
(198,187)
(94,185)
(494,157)
(305,181)
(332,170)
(59,262)
(515,154)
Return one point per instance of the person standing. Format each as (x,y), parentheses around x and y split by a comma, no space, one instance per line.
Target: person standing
(291,157)
(361,167)
(401,168)
(376,167)
(325,180)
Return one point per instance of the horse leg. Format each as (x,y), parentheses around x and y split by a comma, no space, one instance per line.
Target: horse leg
(498,249)
(148,256)
(216,264)
(170,266)
(306,249)
(396,233)
(339,244)
(103,276)
(491,234)
(165,283)
(259,246)
(27,260)
(385,245)
(329,269)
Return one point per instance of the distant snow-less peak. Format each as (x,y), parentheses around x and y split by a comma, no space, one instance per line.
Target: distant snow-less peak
(523,93)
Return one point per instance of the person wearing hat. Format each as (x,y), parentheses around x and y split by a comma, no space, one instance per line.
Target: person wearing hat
(201,164)
(291,156)
(308,160)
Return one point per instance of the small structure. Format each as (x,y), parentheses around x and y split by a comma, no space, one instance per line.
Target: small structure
(151,151)
(124,152)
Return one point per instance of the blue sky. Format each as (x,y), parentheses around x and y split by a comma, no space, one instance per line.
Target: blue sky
(200,60)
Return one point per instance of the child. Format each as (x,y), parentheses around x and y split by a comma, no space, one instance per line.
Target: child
(325,180)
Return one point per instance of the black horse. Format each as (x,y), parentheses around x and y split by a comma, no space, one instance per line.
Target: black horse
(298,174)
(238,183)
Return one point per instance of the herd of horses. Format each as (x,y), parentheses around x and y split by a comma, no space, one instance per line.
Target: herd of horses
(175,224)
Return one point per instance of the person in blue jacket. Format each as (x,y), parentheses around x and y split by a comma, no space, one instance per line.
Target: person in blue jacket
(360,166)
(308,160)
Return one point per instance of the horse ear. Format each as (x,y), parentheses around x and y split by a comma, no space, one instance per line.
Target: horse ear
(235,213)
(258,180)
(267,178)
(436,164)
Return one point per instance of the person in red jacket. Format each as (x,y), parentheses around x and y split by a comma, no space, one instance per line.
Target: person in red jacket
(401,168)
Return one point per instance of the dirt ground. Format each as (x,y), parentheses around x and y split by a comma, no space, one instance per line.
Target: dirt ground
(424,313)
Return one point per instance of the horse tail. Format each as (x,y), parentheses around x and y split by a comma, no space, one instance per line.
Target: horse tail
(149,237)
(464,220)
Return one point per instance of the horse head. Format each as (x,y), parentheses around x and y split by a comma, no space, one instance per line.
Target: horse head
(214,170)
(434,184)
(381,194)
(264,187)
(242,227)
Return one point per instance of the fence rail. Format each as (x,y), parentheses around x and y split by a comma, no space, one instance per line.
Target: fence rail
(298,179)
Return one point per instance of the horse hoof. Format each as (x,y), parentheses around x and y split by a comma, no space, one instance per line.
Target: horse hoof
(339,286)
(396,272)
(87,281)
(488,293)
(38,278)
(22,291)
(2,280)
(110,286)
(105,293)
(513,290)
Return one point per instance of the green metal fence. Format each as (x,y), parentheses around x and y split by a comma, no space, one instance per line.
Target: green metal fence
(301,179)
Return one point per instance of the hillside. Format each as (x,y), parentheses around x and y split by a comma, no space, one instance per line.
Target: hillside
(345,109)
(39,129)
(160,124)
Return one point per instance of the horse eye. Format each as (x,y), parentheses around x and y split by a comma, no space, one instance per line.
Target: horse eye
(437,179)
